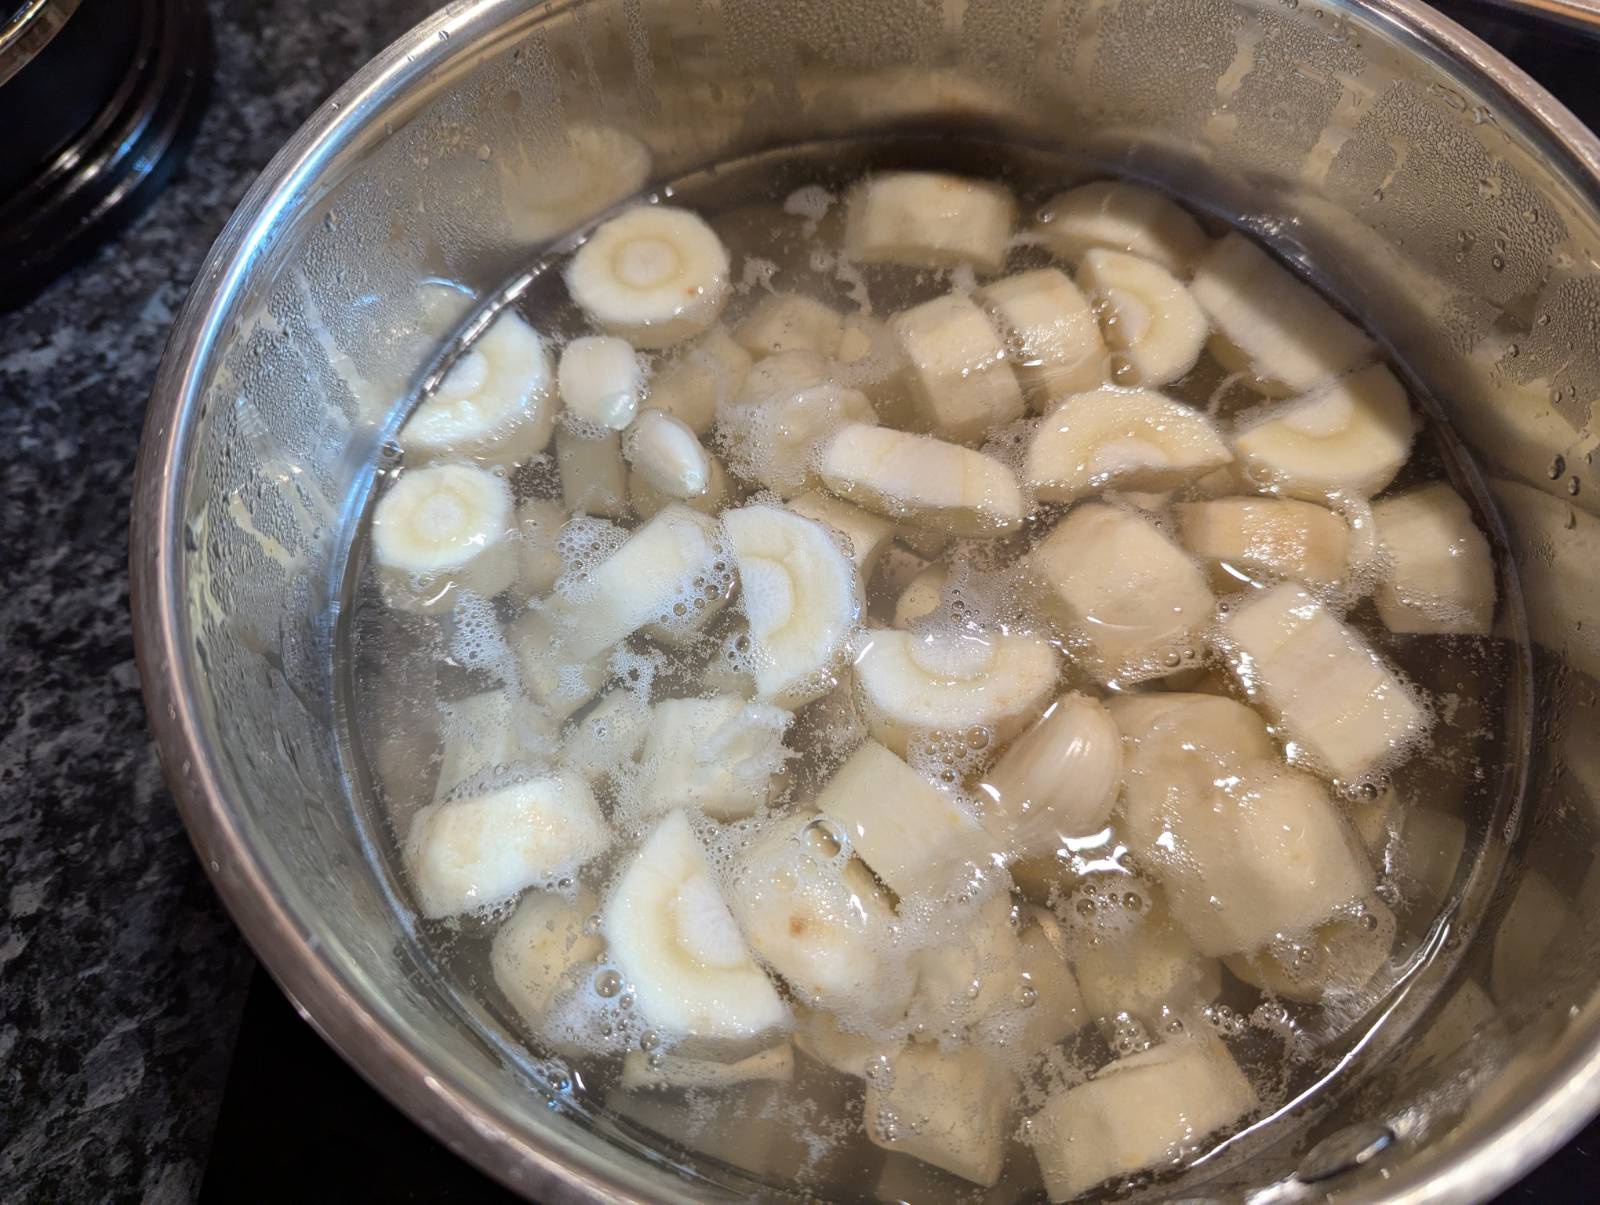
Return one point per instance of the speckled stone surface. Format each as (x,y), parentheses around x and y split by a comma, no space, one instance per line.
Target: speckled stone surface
(121,978)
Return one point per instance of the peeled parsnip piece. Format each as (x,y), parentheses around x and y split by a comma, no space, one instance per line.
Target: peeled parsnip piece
(718,754)
(668,455)
(1441,575)
(707,374)
(471,854)
(1113,438)
(948,681)
(1146,314)
(600,380)
(914,837)
(1148,1110)
(1349,437)
(775,439)
(933,483)
(1122,217)
(1270,323)
(790,322)
(486,732)
(1245,848)
(646,501)
(813,914)
(653,275)
(775,1064)
(609,737)
(1052,337)
(1122,591)
(1341,955)
(672,936)
(947,1109)
(642,583)
(536,947)
(819,1036)
(1246,540)
(594,479)
(1150,971)
(961,381)
(496,405)
(1344,709)
(1055,1010)
(868,534)
(551,675)
(539,522)
(929,220)
(441,529)
(1058,780)
(922,596)
(801,595)
(970,975)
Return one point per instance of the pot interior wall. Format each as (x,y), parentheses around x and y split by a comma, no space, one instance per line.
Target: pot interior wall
(1468,239)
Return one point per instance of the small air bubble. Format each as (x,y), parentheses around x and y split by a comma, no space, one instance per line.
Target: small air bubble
(607,983)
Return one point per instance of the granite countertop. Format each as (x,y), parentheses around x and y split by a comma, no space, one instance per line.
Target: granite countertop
(121,978)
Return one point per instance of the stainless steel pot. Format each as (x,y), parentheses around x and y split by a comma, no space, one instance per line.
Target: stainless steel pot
(1433,186)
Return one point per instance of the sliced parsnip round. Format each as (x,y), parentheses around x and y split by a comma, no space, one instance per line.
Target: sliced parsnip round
(1440,572)
(1120,439)
(1341,955)
(1248,540)
(440,529)
(924,480)
(776,441)
(868,534)
(814,915)
(470,854)
(929,220)
(1136,1111)
(1347,714)
(653,275)
(1122,217)
(538,944)
(496,405)
(539,524)
(801,595)
(921,596)
(672,936)
(1147,315)
(951,681)
(706,375)
(790,322)
(961,381)
(1271,324)
(1121,592)
(1349,437)
(917,839)
(1245,848)
(1052,336)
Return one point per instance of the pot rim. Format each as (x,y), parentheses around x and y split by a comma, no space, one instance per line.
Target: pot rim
(475,1126)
